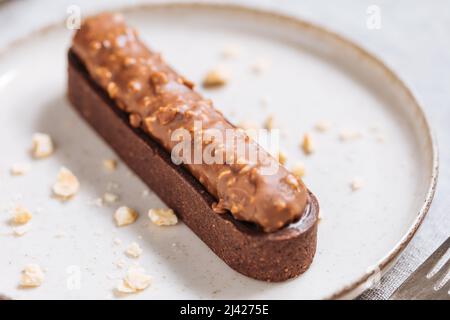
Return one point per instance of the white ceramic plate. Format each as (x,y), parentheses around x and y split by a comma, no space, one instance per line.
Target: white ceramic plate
(313,75)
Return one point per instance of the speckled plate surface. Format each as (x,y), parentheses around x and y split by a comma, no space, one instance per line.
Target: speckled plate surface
(310,75)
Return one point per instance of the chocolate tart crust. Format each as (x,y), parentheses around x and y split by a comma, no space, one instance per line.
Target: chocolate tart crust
(275,256)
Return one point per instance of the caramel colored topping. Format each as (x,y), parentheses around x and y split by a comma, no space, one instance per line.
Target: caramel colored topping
(159,101)
(112,90)
(307,144)
(134,86)
(135,120)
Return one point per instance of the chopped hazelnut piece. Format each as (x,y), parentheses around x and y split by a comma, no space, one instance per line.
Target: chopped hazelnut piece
(120,263)
(282,158)
(110,164)
(134,250)
(298,170)
(135,120)
(162,217)
(66,185)
(32,276)
(307,145)
(347,135)
(134,86)
(125,216)
(117,241)
(231,51)
(135,280)
(21,215)
(269,123)
(323,126)
(216,77)
(21,230)
(20,169)
(110,197)
(260,65)
(112,90)
(356,184)
(42,145)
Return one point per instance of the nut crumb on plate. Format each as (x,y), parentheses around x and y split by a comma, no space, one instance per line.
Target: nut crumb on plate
(282,158)
(298,170)
(117,241)
(125,216)
(20,169)
(162,217)
(21,215)
(307,144)
(32,276)
(260,65)
(323,126)
(42,145)
(110,197)
(347,135)
(269,123)
(21,230)
(66,185)
(135,280)
(356,184)
(110,164)
(231,51)
(216,77)
(120,263)
(134,250)
(97,202)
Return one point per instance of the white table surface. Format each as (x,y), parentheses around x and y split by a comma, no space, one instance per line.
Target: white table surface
(413,40)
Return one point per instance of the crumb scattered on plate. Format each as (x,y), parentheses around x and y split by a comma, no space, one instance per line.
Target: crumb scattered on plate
(323,126)
(134,250)
(216,77)
(269,123)
(120,263)
(125,216)
(308,144)
(21,215)
(42,145)
(260,65)
(32,276)
(282,158)
(110,164)
(20,169)
(356,184)
(21,230)
(109,197)
(96,202)
(231,51)
(117,241)
(135,280)
(162,217)
(347,135)
(66,185)
(298,170)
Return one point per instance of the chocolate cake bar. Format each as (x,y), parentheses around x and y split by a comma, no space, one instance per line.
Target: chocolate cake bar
(262,226)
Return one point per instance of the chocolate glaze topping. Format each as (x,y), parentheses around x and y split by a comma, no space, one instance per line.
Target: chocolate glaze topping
(160,101)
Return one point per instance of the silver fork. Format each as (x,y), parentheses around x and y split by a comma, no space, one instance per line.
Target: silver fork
(422,285)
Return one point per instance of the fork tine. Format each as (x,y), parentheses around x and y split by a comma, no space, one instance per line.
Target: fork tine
(418,286)
(442,294)
(439,276)
(428,265)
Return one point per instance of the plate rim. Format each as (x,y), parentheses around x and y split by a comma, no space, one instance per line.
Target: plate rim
(364,282)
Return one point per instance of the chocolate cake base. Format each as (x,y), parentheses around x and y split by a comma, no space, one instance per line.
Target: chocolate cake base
(276,256)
